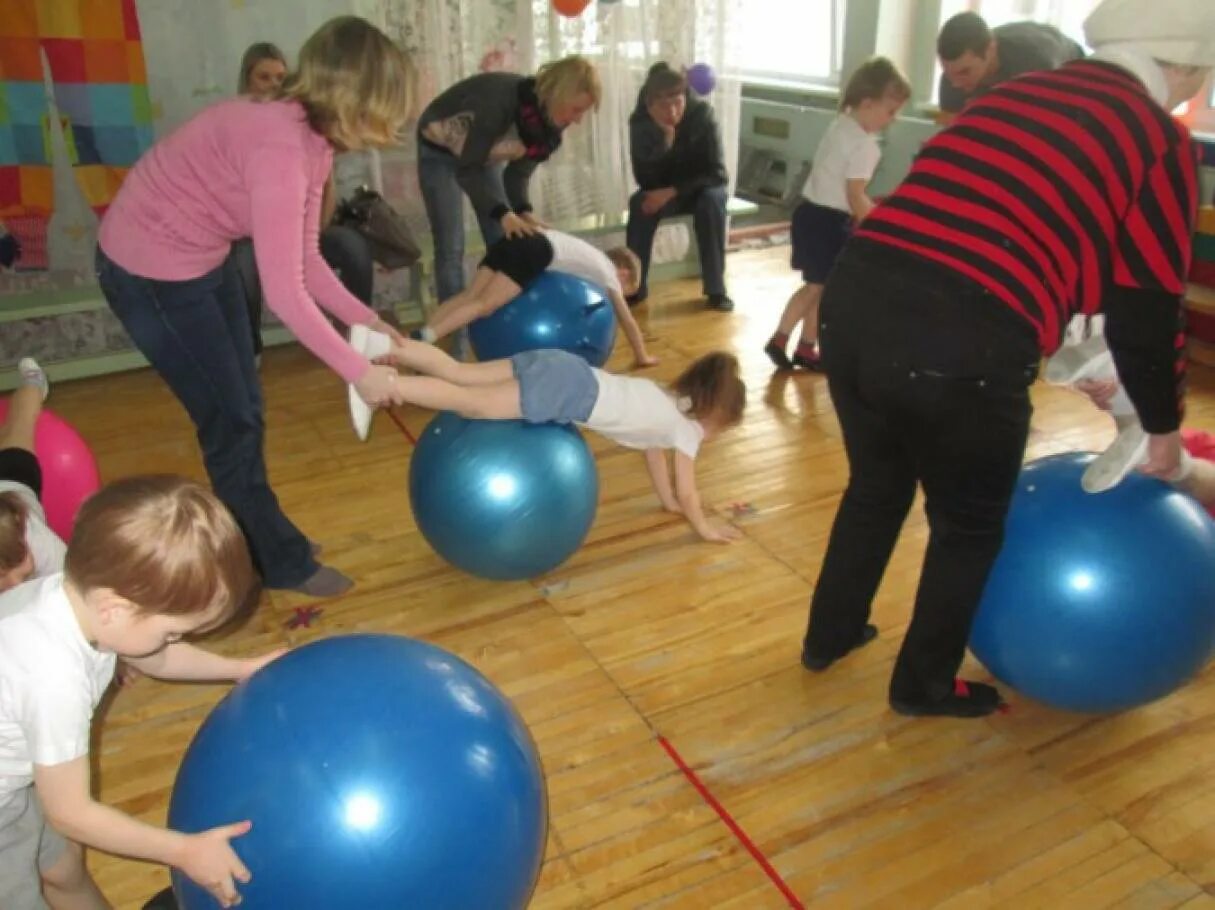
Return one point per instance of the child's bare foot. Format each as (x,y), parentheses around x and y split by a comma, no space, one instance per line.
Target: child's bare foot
(32,374)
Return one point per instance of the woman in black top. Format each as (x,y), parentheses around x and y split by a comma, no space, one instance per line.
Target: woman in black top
(485,136)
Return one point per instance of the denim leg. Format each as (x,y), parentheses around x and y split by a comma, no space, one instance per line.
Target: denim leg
(491,229)
(639,236)
(196,336)
(709,220)
(241,255)
(349,255)
(445,209)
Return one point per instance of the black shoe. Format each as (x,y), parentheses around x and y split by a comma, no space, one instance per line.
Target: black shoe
(636,299)
(819,664)
(721,302)
(968,699)
(778,356)
(416,335)
(812,364)
(164,900)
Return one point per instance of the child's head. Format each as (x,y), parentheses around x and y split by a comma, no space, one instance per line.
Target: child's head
(874,94)
(567,89)
(666,94)
(262,70)
(714,389)
(628,268)
(16,560)
(356,85)
(158,557)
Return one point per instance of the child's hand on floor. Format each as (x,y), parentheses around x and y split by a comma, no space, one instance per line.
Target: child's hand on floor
(720,533)
(1100,391)
(251,665)
(649,360)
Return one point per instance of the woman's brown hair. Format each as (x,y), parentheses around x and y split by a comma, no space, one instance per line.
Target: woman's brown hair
(255,54)
(662,81)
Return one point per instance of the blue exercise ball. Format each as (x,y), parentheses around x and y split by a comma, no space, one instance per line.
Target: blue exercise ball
(503,499)
(378,771)
(1098,602)
(554,311)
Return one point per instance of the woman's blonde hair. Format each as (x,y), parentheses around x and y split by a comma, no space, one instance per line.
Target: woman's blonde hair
(561,81)
(356,85)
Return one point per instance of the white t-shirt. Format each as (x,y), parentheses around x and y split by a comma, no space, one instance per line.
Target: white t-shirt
(48,550)
(846,152)
(638,414)
(577,257)
(51,679)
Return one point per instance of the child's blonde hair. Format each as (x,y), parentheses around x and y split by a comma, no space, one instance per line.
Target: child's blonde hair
(561,81)
(356,85)
(13,548)
(875,79)
(714,388)
(624,258)
(164,543)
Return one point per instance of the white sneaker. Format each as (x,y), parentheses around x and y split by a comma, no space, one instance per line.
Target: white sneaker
(1126,452)
(371,345)
(33,374)
(1090,359)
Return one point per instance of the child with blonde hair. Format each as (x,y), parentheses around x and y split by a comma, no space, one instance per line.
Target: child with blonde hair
(835,198)
(152,561)
(555,386)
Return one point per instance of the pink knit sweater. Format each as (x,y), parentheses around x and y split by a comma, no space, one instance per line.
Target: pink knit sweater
(240,168)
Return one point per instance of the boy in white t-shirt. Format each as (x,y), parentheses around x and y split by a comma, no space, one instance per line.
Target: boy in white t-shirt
(28,547)
(152,559)
(513,263)
(556,386)
(835,198)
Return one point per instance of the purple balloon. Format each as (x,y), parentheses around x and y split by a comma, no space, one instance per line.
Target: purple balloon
(702,78)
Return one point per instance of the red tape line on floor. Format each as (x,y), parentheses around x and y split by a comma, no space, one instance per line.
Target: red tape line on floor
(735,828)
(404,429)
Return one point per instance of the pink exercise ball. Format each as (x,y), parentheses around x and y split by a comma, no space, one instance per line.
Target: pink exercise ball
(69,470)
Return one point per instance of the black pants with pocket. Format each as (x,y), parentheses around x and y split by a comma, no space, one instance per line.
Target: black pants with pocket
(930,378)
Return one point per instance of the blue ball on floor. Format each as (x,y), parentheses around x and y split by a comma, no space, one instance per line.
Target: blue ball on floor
(1098,602)
(554,311)
(378,771)
(503,499)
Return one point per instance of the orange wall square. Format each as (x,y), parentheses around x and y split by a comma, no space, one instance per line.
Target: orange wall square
(101,18)
(18,19)
(36,191)
(137,72)
(20,60)
(105,61)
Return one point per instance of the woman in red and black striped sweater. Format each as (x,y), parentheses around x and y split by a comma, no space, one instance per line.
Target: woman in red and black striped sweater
(1057,193)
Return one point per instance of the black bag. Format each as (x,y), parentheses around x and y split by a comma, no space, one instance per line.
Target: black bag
(386,231)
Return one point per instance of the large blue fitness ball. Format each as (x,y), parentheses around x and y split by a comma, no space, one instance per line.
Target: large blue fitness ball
(503,499)
(1098,602)
(378,772)
(554,311)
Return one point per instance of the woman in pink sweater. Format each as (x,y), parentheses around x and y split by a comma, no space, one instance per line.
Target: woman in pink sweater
(244,168)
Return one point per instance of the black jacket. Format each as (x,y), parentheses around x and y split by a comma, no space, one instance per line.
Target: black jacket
(477,121)
(693,162)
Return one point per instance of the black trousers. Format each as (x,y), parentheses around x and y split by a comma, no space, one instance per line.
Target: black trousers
(930,379)
(342,247)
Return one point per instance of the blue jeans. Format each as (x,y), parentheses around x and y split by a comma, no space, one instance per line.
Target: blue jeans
(195,334)
(708,210)
(445,209)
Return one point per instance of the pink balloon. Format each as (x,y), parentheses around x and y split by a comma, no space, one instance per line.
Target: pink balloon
(69,470)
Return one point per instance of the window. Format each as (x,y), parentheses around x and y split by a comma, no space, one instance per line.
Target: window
(791,42)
